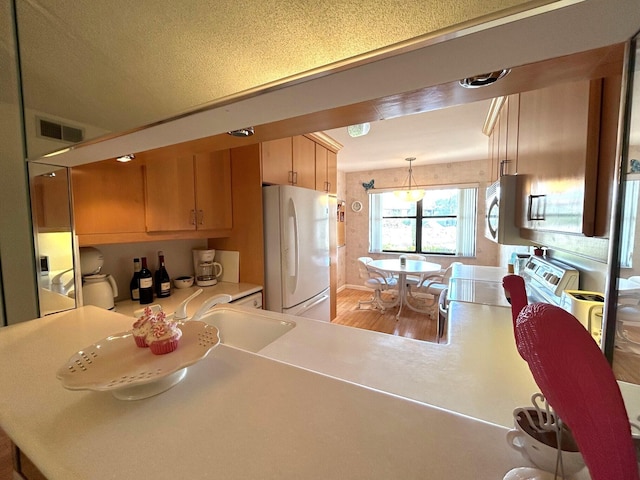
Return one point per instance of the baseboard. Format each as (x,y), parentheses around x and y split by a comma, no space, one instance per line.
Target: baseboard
(355,287)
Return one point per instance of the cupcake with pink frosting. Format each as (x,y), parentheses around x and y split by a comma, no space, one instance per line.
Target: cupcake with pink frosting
(164,335)
(142,327)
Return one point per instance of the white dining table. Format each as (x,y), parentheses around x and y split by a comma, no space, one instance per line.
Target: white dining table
(410,267)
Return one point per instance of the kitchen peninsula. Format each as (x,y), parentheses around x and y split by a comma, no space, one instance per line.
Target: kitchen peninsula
(236,415)
(321,401)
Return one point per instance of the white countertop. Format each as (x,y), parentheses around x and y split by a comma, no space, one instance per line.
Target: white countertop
(169,304)
(478,373)
(477,291)
(52,302)
(236,415)
(478,272)
(322,401)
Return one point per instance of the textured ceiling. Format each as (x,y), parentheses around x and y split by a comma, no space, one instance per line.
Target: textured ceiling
(121,64)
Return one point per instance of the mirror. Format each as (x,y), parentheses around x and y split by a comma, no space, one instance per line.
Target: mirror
(53,237)
(622,341)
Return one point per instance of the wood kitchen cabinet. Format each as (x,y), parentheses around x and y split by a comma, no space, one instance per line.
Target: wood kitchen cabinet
(50,201)
(289,161)
(558,142)
(188,192)
(326,170)
(108,198)
(276,157)
(304,161)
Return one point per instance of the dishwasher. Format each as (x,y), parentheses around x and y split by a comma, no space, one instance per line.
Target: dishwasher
(252,301)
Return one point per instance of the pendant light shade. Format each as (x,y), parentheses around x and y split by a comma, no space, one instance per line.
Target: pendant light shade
(409,194)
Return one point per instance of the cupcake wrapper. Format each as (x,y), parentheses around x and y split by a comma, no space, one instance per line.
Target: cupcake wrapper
(163,346)
(141,341)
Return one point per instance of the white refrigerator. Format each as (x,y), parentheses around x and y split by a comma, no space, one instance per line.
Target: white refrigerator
(296,242)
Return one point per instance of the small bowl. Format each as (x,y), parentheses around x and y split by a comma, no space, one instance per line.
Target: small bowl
(184,281)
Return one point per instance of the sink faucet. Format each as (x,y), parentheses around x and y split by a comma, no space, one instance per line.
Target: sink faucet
(210,303)
(57,284)
(181,311)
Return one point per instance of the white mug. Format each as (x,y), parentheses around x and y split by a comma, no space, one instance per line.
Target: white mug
(540,453)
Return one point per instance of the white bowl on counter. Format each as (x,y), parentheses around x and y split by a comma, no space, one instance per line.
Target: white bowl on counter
(184,281)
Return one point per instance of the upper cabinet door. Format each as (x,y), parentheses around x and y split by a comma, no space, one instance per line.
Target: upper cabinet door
(304,162)
(108,198)
(321,169)
(277,161)
(170,194)
(558,137)
(213,190)
(332,171)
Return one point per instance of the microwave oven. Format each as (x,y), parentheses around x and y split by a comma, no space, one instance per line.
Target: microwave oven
(500,213)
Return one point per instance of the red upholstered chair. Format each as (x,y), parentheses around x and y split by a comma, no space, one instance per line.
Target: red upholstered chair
(579,384)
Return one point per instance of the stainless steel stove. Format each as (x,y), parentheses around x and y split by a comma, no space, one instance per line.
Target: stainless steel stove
(546,279)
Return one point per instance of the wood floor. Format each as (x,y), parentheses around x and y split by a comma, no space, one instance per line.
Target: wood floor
(411,324)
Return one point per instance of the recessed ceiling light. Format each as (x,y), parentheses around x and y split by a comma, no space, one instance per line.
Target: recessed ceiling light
(243,132)
(484,79)
(358,130)
(126,158)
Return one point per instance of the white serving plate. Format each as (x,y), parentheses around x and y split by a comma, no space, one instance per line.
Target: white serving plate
(129,372)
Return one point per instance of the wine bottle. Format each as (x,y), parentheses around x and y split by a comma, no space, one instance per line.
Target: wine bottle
(163,282)
(134,285)
(146,283)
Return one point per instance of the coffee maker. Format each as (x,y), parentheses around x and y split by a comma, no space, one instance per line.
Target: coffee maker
(207,271)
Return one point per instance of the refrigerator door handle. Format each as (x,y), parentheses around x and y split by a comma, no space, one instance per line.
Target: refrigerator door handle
(321,299)
(292,248)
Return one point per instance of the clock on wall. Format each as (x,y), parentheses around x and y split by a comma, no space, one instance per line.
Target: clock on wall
(356,206)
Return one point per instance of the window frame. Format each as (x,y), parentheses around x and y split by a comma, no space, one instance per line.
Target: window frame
(419,219)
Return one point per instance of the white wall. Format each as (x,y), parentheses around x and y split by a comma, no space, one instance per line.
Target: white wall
(118,259)
(357,223)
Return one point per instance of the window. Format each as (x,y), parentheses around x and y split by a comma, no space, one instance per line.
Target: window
(442,223)
(628,228)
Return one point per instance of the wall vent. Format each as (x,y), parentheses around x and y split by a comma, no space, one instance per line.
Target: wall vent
(59,131)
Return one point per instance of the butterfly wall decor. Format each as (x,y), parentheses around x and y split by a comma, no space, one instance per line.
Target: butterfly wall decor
(368,186)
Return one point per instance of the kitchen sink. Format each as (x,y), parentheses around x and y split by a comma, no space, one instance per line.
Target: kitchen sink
(246,328)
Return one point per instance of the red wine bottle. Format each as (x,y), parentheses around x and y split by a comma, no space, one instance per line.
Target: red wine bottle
(134,285)
(162,280)
(146,283)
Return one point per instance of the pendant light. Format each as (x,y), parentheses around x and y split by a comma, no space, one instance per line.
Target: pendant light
(409,194)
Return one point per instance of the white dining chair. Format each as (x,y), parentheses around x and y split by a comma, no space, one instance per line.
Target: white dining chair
(433,285)
(413,280)
(376,281)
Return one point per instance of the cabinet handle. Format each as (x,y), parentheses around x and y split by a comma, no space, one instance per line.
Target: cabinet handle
(291,177)
(295,178)
(327,186)
(193,217)
(200,217)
